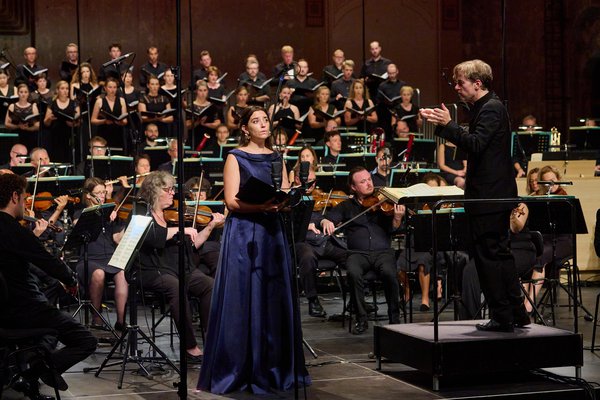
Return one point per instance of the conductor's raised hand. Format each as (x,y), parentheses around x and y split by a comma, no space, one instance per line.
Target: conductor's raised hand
(437,116)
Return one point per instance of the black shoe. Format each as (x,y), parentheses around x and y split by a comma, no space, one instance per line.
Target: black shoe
(424,308)
(521,317)
(191,359)
(315,309)
(49,377)
(360,326)
(371,308)
(119,327)
(30,389)
(495,326)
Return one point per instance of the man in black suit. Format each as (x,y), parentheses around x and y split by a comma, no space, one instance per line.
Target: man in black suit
(489,176)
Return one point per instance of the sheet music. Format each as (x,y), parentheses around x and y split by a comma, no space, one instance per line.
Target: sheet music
(135,232)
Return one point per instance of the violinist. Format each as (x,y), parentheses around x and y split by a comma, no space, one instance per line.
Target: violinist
(369,246)
(158,258)
(208,253)
(24,306)
(316,246)
(100,251)
(380,174)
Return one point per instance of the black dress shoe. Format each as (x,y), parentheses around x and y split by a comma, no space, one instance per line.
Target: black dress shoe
(30,389)
(119,327)
(315,309)
(371,308)
(424,308)
(495,326)
(360,326)
(521,317)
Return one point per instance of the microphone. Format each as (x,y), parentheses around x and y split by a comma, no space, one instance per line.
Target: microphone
(303,173)
(276,171)
(445,78)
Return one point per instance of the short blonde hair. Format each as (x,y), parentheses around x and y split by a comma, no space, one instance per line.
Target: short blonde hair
(287,49)
(408,89)
(475,70)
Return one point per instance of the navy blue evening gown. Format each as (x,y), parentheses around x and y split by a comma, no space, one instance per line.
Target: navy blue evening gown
(251,336)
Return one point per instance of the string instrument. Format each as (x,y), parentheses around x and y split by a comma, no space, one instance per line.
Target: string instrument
(330,199)
(378,202)
(44,200)
(198,215)
(51,226)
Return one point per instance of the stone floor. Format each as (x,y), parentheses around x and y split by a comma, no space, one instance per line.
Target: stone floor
(344,368)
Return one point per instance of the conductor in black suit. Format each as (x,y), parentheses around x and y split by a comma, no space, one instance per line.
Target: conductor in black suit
(489,176)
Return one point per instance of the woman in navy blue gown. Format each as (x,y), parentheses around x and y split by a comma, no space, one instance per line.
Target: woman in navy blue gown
(252,334)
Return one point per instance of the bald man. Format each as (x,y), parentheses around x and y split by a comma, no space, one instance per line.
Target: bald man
(376,65)
(17,155)
(26,70)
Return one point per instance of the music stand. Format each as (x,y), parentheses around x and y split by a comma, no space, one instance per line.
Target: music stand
(554,218)
(57,185)
(86,230)
(158,155)
(7,141)
(423,150)
(451,236)
(399,178)
(107,167)
(327,181)
(123,258)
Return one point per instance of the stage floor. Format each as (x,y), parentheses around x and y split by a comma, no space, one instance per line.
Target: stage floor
(345,369)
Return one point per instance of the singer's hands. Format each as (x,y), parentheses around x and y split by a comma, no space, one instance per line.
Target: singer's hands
(272,206)
(328,227)
(437,116)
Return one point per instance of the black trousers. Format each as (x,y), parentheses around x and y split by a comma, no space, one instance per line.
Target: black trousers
(495,264)
(198,285)
(383,263)
(308,259)
(78,342)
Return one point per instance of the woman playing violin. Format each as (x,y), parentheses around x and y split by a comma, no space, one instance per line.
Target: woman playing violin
(100,251)
(159,258)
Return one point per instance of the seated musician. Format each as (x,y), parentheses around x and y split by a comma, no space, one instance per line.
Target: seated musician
(532,181)
(17,155)
(158,258)
(316,246)
(401,129)
(169,166)
(208,253)
(100,251)
(24,306)
(333,141)
(421,261)
(557,247)
(306,154)
(380,174)
(452,170)
(150,136)
(130,186)
(98,148)
(369,246)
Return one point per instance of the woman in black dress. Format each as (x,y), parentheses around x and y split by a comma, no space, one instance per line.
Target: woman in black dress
(58,118)
(155,102)
(358,99)
(7,90)
(17,112)
(107,111)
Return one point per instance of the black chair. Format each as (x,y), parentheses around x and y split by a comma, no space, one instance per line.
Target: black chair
(335,271)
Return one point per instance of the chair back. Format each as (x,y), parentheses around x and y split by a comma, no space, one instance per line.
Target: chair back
(538,242)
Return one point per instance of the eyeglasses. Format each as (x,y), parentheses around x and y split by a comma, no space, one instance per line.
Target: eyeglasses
(104,192)
(169,189)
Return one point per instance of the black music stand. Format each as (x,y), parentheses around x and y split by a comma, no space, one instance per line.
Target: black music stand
(554,218)
(86,230)
(108,167)
(138,228)
(451,235)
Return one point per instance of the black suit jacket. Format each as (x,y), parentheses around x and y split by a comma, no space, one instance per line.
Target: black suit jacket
(487,143)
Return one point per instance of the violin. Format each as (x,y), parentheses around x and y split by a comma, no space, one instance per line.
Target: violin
(378,202)
(202,216)
(45,200)
(51,226)
(327,199)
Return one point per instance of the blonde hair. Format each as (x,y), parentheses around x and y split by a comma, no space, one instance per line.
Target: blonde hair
(475,70)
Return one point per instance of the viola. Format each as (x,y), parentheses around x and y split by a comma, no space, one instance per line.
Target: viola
(378,202)
(327,199)
(45,200)
(203,214)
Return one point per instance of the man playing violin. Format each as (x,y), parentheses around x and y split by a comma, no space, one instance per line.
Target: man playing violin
(369,246)
(316,246)
(23,305)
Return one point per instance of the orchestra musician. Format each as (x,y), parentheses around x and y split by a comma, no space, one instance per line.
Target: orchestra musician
(17,155)
(100,251)
(369,246)
(158,258)
(23,305)
(490,175)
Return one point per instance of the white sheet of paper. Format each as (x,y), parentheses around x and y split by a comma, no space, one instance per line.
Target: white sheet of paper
(134,233)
